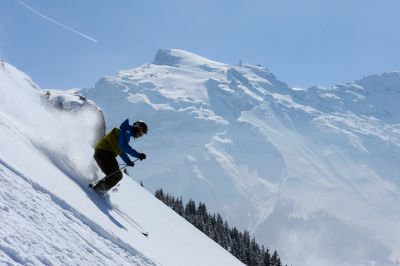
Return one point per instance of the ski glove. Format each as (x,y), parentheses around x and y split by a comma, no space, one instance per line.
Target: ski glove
(130,163)
(142,156)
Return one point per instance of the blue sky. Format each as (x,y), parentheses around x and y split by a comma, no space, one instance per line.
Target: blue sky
(304,43)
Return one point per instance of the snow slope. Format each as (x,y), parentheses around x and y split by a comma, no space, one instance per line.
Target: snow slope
(311,172)
(50,217)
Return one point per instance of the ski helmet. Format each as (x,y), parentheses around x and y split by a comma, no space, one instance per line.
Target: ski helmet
(142,125)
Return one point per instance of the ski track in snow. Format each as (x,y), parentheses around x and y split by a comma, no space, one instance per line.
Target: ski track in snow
(41,229)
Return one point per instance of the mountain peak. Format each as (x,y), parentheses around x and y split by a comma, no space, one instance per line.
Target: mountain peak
(176,58)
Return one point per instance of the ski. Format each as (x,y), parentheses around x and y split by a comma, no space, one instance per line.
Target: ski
(91,185)
(104,196)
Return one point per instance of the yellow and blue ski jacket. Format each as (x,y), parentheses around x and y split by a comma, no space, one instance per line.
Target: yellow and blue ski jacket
(117,141)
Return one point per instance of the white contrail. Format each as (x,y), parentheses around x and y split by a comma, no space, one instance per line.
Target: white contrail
(55,22)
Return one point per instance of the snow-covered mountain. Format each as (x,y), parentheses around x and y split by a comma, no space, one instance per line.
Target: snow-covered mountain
(311,172)
(50,217)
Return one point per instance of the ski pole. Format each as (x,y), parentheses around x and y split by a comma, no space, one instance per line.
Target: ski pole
(115,171)
(95,183)
(118,170)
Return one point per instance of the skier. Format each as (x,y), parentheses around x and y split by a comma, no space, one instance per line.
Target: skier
(115,143)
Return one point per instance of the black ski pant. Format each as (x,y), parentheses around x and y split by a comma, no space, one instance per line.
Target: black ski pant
(108,164)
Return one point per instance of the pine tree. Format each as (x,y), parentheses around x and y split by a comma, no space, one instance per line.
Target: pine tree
(220,232)
(260,258)
(267,258)
(275,260)
(190,212)
(254,252)
(179,207)
(202,217)
(235,248)
(160,195)
(227,236)
(246,248)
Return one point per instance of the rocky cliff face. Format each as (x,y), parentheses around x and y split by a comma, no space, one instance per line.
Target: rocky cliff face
(73,101)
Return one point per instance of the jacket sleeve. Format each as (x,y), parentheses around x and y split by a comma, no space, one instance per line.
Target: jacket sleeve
(123,142)
(124,157)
